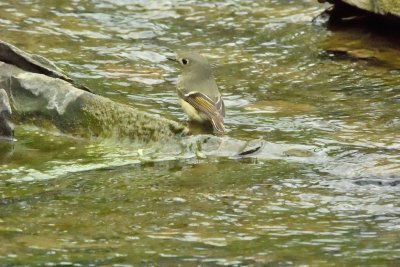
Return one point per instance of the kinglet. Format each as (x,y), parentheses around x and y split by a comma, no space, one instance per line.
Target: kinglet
(198,92)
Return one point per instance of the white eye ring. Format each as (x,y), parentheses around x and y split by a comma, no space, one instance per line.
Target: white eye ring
(185,61)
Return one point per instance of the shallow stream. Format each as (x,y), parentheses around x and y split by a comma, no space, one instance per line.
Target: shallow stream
(330,199)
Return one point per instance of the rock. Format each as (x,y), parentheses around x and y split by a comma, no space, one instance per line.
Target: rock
(6,126)
(380,7)
(38,93)
(42,100)
(34,63)
(365,31)
(206,146)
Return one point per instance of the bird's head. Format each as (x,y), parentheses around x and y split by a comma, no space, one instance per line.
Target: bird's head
(192,63)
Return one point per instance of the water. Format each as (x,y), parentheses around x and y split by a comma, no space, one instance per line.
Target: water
(327,194)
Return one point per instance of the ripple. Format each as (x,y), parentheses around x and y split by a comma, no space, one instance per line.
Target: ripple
(323,189)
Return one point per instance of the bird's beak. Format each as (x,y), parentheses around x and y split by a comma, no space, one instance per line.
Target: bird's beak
(172,59)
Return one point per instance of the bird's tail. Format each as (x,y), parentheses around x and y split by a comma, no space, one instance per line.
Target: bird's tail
(218,125)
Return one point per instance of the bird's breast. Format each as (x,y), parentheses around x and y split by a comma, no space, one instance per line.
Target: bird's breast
(192,113)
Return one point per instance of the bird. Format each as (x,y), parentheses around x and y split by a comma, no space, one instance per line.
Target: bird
(198,92)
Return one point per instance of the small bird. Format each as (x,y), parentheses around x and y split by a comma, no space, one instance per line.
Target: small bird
(198,92)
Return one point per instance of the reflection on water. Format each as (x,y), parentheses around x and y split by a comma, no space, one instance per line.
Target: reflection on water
(323,191)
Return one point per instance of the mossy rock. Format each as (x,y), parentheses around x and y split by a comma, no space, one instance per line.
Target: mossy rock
(380,7)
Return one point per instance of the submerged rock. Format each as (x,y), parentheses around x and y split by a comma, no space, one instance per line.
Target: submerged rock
(199,147)
(38,93)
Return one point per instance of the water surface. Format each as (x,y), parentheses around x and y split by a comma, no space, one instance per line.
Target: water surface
(330,198)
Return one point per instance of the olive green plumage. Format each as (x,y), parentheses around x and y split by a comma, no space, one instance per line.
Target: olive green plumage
(198,92)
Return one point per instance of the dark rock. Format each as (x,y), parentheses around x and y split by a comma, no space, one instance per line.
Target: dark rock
(354,10)
(34,63)
(381,7)
(6,126)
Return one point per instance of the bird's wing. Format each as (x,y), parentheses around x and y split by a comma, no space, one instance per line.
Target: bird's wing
(219,104)
(214,110)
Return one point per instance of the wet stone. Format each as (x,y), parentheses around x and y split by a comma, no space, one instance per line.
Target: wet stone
(6,126)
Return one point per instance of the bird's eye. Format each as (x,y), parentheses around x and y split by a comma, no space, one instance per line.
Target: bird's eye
(185,61)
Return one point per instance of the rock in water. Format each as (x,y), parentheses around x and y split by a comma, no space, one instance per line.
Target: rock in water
(34,63)
(380,7)
(40,94)
(43,100)
(6,126)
